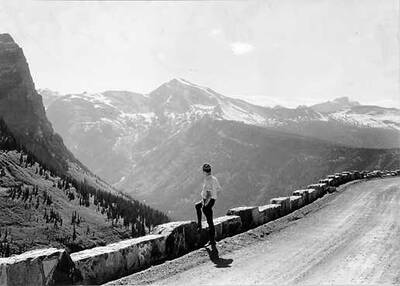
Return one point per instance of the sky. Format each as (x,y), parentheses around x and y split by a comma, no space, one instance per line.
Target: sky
(287,52)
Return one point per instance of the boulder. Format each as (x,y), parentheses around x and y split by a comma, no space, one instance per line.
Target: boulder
(101,264)
(47,266)
(284,202)
(180,236)
(268,213)
(248,215)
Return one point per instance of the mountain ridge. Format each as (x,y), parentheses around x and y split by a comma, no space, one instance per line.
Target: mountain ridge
(165,93)
(131,149)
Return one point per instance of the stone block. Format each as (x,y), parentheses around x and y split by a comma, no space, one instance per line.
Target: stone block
(37,267)
(269,213)
(284,202)
(180,237)
(313,194)
(296,202)
(101,264)
(248,215)
(321,188)
(225,226)
(230,225)
(304,194)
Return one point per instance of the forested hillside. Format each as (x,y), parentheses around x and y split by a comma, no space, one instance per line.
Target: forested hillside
(40,208)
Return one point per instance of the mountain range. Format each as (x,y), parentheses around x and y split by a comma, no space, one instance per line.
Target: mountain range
(152,145)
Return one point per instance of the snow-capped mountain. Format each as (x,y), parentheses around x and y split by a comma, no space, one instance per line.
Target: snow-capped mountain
(112,130)
(353,113)
(151,145)
(337,104)
(369,116)
(180,102)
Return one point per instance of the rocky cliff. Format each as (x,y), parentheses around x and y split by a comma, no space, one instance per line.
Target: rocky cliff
(22,109)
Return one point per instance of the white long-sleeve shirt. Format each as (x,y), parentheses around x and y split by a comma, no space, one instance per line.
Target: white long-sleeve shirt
(212,185)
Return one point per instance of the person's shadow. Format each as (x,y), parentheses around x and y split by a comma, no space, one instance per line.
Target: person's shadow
(218,261)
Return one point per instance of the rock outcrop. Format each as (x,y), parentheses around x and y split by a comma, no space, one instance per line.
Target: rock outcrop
(22,109)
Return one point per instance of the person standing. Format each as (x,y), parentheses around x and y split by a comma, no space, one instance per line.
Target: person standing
(209,192)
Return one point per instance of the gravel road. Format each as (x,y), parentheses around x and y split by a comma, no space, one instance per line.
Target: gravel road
(350,237)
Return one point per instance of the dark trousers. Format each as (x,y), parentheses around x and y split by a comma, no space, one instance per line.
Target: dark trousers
(208,212)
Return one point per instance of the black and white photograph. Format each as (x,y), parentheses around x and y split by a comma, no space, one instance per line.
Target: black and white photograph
(199,142)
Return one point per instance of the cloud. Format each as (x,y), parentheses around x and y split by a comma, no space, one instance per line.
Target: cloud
(240,48)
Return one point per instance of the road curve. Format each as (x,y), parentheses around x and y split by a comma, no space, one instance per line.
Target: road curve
(354,238)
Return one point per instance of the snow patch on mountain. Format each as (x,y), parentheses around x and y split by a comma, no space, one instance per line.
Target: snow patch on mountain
(383,119)
(205,89)
(145,117)
(236,113)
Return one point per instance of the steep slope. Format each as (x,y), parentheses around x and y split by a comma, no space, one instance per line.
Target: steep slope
(31,138)
(252,163)
(22,109)
(35,212)
(38,208)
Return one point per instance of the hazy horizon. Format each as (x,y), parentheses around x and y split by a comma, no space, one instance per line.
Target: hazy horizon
(265,52)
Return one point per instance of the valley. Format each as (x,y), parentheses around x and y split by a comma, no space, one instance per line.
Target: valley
(152,145)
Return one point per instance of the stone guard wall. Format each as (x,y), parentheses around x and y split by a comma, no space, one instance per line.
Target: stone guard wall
(167,241)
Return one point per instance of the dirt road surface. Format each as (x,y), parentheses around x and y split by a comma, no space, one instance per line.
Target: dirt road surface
(351,237)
